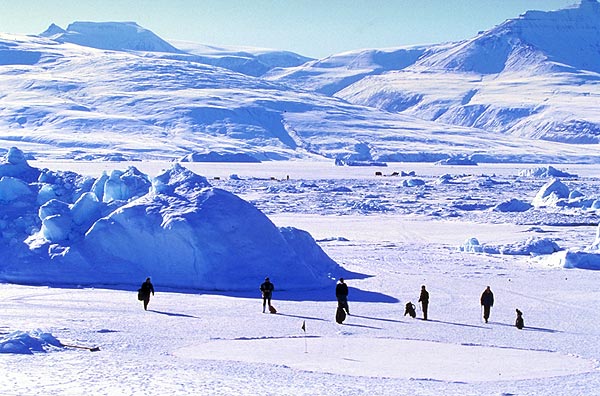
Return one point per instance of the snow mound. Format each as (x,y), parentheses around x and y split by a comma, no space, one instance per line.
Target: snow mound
(115,36)
(413,182)
(531,247)
(544,172)
(26,343)
(14,164)
(551,193)
(574,259)
(512,205)
(176,227)
(471,245)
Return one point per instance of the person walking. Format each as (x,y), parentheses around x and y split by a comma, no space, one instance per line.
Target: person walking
(266,288)
(145,291)
(341,293)
(424,300)
(487,302)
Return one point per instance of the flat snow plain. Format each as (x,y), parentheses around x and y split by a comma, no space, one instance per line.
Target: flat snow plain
(398,238)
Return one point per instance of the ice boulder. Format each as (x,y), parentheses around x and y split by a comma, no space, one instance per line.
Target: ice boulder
(15,164)
(122,186)
(548,171)
(86,210)
(13,189)
(512,205)
(98,186)
(412,182)
(26,343)
(471,245)
(57,222)
(573,195)
(574,259)
(550,193)
(531,247)
(596,244)
(57,228)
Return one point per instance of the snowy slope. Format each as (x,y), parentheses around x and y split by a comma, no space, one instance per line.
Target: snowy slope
(534,76)
(71,101)
(121,92)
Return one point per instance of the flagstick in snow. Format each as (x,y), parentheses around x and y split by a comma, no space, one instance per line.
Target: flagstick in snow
(305,343)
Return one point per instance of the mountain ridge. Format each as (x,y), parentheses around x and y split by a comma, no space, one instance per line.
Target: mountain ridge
(400,104)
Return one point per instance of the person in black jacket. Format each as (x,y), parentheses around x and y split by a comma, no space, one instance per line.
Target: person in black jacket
(145,291)
(424,300)
(487,301)
(341,293)
(266,288)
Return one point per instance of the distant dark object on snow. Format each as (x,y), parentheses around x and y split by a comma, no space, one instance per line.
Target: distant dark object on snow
(519,323)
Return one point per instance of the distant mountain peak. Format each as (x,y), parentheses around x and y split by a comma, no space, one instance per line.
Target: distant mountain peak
(116,36)
(53,30)
(544,40)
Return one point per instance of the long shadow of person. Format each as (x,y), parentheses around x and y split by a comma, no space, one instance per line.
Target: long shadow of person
(173,314)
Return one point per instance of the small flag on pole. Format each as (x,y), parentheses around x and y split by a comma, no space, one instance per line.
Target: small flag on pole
(304,326)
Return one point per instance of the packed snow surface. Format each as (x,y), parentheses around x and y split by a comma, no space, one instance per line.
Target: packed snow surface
(390,239)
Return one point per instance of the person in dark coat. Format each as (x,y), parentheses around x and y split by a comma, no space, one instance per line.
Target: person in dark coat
(266,288)
(519,323)
(424,300)
(341,293)
(145,291)
(487,301)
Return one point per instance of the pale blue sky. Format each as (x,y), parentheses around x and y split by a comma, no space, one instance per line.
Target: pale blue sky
(314,28)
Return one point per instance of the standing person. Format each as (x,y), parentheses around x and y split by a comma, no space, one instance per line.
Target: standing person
(145,291)
(424,300)
(487,301)
(266,288)
(341,293)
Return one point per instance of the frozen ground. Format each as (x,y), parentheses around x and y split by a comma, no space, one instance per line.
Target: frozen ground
(398,238)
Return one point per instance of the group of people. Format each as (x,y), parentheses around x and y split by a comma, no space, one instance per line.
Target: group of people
(486,300)
(341,294)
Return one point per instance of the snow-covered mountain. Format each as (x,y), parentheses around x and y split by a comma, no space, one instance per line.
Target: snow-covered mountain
(534,76)
(115,36)
(117,91)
